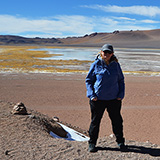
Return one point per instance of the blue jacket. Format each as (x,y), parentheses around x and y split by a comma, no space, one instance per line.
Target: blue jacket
(106,82)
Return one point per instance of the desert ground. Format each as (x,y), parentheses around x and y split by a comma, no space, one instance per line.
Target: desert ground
(26,137)
(64,96)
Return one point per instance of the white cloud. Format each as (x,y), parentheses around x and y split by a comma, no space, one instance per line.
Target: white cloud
(64,25)
(74,25)
(124,18)
(138,10)
(149,21)
(110,24)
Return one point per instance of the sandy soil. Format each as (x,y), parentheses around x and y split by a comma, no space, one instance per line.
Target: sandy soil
(64,96)
(26,137)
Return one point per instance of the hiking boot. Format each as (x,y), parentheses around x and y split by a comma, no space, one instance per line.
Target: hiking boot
(122,146)
(92,147)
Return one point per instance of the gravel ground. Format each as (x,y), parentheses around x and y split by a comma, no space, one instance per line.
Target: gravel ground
(22,138)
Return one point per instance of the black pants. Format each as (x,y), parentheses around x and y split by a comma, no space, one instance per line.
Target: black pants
(113,108)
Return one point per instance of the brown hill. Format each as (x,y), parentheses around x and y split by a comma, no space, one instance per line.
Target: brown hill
(140,39)
(127,39)
(13,40)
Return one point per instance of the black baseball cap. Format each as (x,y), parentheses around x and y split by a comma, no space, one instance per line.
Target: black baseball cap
(107,47)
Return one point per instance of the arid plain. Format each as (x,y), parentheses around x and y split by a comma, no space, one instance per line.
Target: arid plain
(61,92)
(64,96)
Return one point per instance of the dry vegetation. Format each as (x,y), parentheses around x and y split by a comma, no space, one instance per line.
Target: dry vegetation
(21,59)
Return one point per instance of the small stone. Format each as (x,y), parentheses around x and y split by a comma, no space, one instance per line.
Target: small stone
(112,135)
(19,108)
(31,116)
(56,119)
(6,152)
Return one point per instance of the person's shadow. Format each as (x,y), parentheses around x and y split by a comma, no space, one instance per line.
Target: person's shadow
(136,149)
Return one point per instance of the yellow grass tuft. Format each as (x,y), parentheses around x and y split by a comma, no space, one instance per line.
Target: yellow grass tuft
(21,59)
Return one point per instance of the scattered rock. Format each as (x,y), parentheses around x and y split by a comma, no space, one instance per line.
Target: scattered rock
(45,123)
(22,137)
(56,119)
(19,108)
(6,152)
(31,116)
(112,136)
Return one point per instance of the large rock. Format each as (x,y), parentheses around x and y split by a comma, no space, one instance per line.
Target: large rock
(19,108)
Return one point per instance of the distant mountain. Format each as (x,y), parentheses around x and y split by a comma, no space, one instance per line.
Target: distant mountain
(139,39)
(12,40)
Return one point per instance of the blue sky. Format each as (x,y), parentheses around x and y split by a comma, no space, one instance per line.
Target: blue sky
(63,18)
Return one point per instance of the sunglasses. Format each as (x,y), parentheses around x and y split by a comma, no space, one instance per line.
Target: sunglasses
(109,52)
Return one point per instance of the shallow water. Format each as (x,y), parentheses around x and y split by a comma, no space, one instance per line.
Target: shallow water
(71,53)
(130,59)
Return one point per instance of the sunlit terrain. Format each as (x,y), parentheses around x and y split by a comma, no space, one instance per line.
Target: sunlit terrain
(22,59)
(44,59)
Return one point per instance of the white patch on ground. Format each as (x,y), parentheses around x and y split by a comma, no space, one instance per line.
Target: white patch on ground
(72,134)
